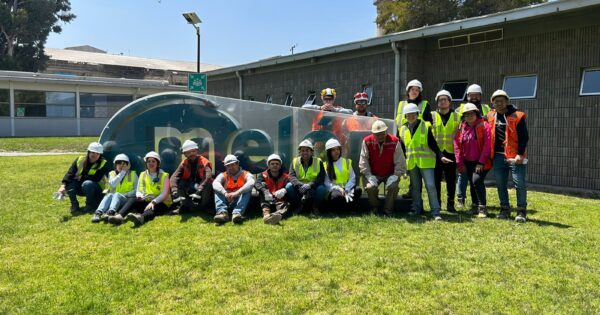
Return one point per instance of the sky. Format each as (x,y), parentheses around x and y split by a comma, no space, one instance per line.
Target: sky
(232,31)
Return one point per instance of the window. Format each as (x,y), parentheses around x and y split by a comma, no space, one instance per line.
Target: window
(590,82)
(44,104)
(469,39)
(519,87)
(4,103)
(289,99)
(96,105)
(457,89)
(369,90)
(311,99)
(269,99)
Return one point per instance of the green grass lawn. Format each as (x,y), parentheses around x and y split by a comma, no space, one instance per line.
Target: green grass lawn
(54,263)
(46,144)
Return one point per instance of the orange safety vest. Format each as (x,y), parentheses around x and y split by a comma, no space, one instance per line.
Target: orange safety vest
(202,163)
(480,135)
(234,185)
(511,138)
(335,125)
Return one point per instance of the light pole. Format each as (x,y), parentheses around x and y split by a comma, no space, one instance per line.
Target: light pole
(193,19)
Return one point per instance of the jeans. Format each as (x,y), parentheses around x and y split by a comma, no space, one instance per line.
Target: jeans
(463,181)
(90,189)
(111,201)
(476,182)
(519,175)
(318,194)
(238,204)
(417,176)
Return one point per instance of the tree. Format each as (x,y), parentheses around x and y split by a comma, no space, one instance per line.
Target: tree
(24,29)
(400,15)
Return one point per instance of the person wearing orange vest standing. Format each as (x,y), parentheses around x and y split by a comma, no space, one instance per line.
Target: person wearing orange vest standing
(232,191)
(270,184)
(382,161)
(191,183)
(509,139)
(472,147)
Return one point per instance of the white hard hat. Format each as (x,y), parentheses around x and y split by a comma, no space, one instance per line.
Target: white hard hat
(121,157)
(410,108)
(230,159)
(416,83)
(379,126)
(307,144)
(469,107)
(443,93)
(96,147)
(153,155)
(189,145)
(332,143)
(474,88)
(499,93)
(273,157)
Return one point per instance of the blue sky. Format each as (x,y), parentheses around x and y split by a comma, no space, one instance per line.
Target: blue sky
(233,31)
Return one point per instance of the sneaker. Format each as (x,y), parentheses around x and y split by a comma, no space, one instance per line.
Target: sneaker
(437,217)
(221,217)
(388,212)
(461,203)
(415,212)
(237,218)
(474,210)
(111,212)
(96,217)
(104,217)
(504,213)
(75,209)
(482,212)
(175,211)
(115,219)
(136,218)
(273,218)
(521,216)
(450,208)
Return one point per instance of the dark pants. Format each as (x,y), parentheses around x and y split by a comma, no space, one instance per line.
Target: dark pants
(139,206)
(447,171)
(337,202)
(90,189)
(478,194)
(206,203)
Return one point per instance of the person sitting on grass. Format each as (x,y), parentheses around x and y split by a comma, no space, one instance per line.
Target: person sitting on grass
(152,194)
(86,177)
(232,191)
(340,180)
(307,178)
(271,186)
(122,183)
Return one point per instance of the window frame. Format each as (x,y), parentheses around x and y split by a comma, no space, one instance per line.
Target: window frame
(365,89)
(313,95)
(534,96)
(466,82)
(583,81)
(289,96)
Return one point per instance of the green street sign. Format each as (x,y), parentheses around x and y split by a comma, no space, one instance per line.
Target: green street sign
(197,82)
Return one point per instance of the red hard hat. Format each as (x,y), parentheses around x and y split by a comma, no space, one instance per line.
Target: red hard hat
(361,96)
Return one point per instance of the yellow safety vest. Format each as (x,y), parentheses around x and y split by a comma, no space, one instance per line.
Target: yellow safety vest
(485,108)
(418,153)
(126,184)
(444,135)
(95,167)
(401,120)
(342,176)
(311,173)
(148,187)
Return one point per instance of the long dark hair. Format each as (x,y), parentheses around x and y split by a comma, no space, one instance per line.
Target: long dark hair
(330,166)
(417,100)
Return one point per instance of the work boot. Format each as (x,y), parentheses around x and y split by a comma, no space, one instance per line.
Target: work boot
(222,217)
(269,218)
(521,215)
(237,218)
(115,219)
(474,210)
(96,217)
(482,211)
(136,218)
(504,213)
(75,209)
(461,203)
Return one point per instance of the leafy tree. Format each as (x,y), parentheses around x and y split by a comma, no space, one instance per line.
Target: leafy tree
(24,29)
(400,15)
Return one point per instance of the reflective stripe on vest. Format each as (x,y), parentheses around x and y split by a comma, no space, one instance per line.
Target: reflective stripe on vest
(274,185)
(125,185)
(233,185)
(444,135)
(401,120)
(311,173)
(95,167)
(511,137)
(149,187)
(418,153)
(485,108)
(341,176)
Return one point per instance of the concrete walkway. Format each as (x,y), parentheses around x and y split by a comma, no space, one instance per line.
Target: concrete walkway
(37,153)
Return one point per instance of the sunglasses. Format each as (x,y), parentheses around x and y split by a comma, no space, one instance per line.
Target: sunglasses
(361,103)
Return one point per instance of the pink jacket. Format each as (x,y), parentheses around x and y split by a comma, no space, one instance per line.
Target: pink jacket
(466,146)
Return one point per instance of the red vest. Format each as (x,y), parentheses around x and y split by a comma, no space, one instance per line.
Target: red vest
(382,164)
(233,185)
(202,163)
(480,135)
(275,185)
(511,138)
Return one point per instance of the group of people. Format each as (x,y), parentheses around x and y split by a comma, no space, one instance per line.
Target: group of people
(428,146)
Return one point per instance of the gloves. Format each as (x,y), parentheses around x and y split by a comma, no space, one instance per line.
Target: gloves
(196,196)
(199,188)
(268,197)
(349,195)
(338,188)
(392,179)
(372,180)
(304,188)
(280,193)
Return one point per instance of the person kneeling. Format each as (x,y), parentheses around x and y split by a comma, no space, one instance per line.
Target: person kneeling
(271,187)
(341,179)
(122,183)
(232,191)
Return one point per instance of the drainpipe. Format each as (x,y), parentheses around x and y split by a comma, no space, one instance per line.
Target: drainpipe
(396,79)
(237,73)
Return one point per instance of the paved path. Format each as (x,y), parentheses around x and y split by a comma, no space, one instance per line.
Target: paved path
(37,153)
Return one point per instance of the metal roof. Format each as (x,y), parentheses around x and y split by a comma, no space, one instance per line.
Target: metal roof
(125,61)
(529,12)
